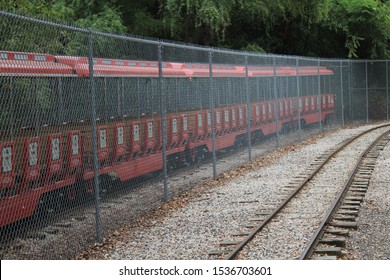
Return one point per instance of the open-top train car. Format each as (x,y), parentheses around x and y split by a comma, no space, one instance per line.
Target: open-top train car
(46,132)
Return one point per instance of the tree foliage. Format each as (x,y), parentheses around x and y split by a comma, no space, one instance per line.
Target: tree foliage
(332,28)
(365,25)
(95,14)
(199,21)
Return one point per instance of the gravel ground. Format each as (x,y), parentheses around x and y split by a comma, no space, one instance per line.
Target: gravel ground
(371,240)
(195,223)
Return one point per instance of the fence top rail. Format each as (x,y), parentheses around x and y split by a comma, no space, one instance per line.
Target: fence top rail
(43,22)
(368,60)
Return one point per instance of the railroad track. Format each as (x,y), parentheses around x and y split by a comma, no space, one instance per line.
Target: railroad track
(304,185)
(328,241)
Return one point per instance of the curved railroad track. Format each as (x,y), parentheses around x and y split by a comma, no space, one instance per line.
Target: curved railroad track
(328,240)
(306,185)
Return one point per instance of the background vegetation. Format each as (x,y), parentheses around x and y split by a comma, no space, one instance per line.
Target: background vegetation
(325,28)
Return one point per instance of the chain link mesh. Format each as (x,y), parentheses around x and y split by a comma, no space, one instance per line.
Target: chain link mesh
(99,129)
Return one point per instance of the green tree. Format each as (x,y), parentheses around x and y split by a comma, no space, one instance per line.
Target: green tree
(143,17)
(365,26)
(330,28)
(198,21)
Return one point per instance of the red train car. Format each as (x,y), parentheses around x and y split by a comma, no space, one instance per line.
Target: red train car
(43,162)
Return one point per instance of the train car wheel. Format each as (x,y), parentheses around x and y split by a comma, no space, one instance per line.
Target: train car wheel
(71,193)
(202,153)
(50,204)
(190,156)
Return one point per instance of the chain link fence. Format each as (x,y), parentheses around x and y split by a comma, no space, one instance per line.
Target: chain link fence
(99,129)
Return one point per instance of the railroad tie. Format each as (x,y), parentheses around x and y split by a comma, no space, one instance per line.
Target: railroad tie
(342,232)
(348,212)
(323,258)
(249,226)
(358,194)
(52,230)
(335,251)
(336,241)
(344,217)
(36,235)
(256,220)
(358,189)
(355,198)
(229,242)
(350,207)
(344,224)
(219,252)
(351,202)
(63,225)
(241,233)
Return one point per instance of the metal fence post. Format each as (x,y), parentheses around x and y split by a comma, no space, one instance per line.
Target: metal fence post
(387,89)
(276,105)
(163,120)
(36,108)
(299,100)
(248,105)
(94,140)
(212,112)
(366,91)
(342,93)
(351,111)
(61,102)
(319,95)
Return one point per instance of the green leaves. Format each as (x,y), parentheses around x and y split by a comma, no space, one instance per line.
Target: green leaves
(341,28)
(209,19)
(352,44)
(365,25)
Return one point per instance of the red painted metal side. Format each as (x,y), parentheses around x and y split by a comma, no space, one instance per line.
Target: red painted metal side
(242,117)
(54,154)
(120,143)
(138,167)
(102,142)
(185,134)
(31,64)
(149,137)
(31,160)
(135,138)
(226,120)
(234,118)
(74,150)
(7,165)
(256,114)
(218,121)
(173,132)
